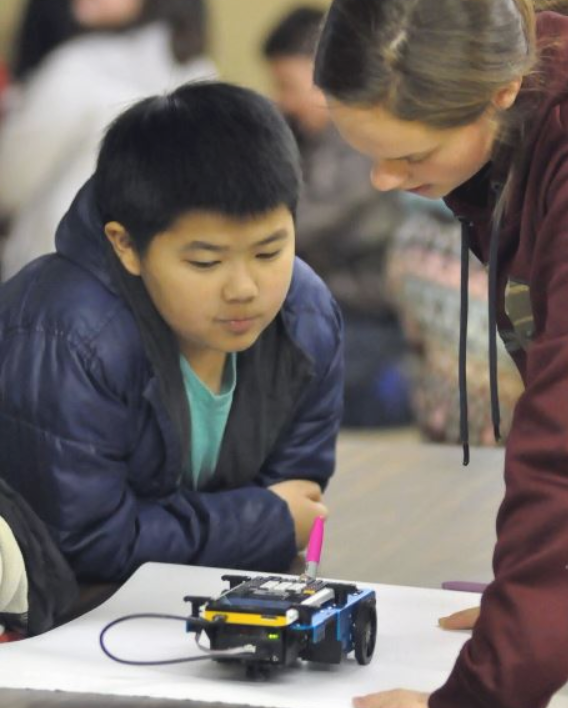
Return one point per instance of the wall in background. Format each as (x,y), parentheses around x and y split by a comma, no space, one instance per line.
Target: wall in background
(237,30)
(9,10)
(239,26)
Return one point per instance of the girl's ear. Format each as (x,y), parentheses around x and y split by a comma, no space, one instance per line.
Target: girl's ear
(506,96)
(123,247)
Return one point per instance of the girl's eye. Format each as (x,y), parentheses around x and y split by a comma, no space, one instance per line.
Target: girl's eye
(203,265)
(268,256)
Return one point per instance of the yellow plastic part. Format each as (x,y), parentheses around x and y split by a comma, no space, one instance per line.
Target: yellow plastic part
(245,618)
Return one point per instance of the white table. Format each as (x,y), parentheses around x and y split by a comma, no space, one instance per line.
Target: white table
(411,651)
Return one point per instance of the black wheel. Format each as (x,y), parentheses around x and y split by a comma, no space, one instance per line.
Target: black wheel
(364,631)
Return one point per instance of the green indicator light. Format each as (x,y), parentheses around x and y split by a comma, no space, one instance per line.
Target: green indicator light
(273,636)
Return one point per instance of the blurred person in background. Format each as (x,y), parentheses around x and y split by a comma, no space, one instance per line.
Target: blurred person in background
(43,27)
(4,83)
(344,230)
(52,126)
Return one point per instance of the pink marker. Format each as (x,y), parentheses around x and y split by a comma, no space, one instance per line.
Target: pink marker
(313,553)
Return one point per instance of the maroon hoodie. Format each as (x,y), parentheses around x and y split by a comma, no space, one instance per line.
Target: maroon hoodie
(518,653)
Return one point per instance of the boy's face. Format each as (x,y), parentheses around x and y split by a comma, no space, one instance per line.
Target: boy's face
(219,281)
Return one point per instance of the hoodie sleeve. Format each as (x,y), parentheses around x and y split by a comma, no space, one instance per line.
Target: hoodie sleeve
(518,653)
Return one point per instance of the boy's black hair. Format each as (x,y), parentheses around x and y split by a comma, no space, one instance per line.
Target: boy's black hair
(296,34)
(207,146)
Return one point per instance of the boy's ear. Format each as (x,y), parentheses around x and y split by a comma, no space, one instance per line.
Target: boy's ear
(123,247)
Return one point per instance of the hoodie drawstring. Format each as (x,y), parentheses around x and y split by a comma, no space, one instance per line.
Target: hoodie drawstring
(492,309)
(462,366)
(492,312)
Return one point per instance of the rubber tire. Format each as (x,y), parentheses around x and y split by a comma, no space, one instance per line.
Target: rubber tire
(364,631)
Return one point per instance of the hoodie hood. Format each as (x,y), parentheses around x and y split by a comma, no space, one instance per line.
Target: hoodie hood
(80,236)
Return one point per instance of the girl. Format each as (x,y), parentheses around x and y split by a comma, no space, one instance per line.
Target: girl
(171,378)
(468,100)
(55,120)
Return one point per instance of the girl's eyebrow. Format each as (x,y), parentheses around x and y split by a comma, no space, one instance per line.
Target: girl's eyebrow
(279,235)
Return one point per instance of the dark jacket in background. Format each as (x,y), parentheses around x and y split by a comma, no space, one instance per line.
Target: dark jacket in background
(344,231)
(52,589)
(86,440)
(345,227)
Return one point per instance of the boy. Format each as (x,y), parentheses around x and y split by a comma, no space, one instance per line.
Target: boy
(171,378)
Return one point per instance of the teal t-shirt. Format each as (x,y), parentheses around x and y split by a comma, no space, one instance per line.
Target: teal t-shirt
(209,415)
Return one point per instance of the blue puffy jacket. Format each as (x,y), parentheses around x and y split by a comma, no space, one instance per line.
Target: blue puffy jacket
(85,438)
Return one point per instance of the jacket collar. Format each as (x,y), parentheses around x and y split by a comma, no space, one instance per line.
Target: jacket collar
(271,377)
(81,239)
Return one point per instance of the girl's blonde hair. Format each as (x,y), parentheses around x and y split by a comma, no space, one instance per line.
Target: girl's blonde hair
(439,62)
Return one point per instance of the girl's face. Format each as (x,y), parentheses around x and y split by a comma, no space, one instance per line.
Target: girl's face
(412,156)
(218,281)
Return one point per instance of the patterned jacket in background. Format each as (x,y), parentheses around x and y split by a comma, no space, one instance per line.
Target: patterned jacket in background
(425,274)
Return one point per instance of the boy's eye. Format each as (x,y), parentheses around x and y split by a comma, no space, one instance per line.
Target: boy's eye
(268,256)
(203,265)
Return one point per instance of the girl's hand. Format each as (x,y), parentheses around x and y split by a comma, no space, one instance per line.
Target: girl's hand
(398,698)
(465,619)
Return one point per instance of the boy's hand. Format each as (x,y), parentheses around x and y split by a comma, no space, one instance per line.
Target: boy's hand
(304,502)
(393,699)
(465,619)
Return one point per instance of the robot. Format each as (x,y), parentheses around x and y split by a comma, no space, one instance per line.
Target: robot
(282,619)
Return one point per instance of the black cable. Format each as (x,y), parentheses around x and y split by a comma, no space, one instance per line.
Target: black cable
(188,620)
